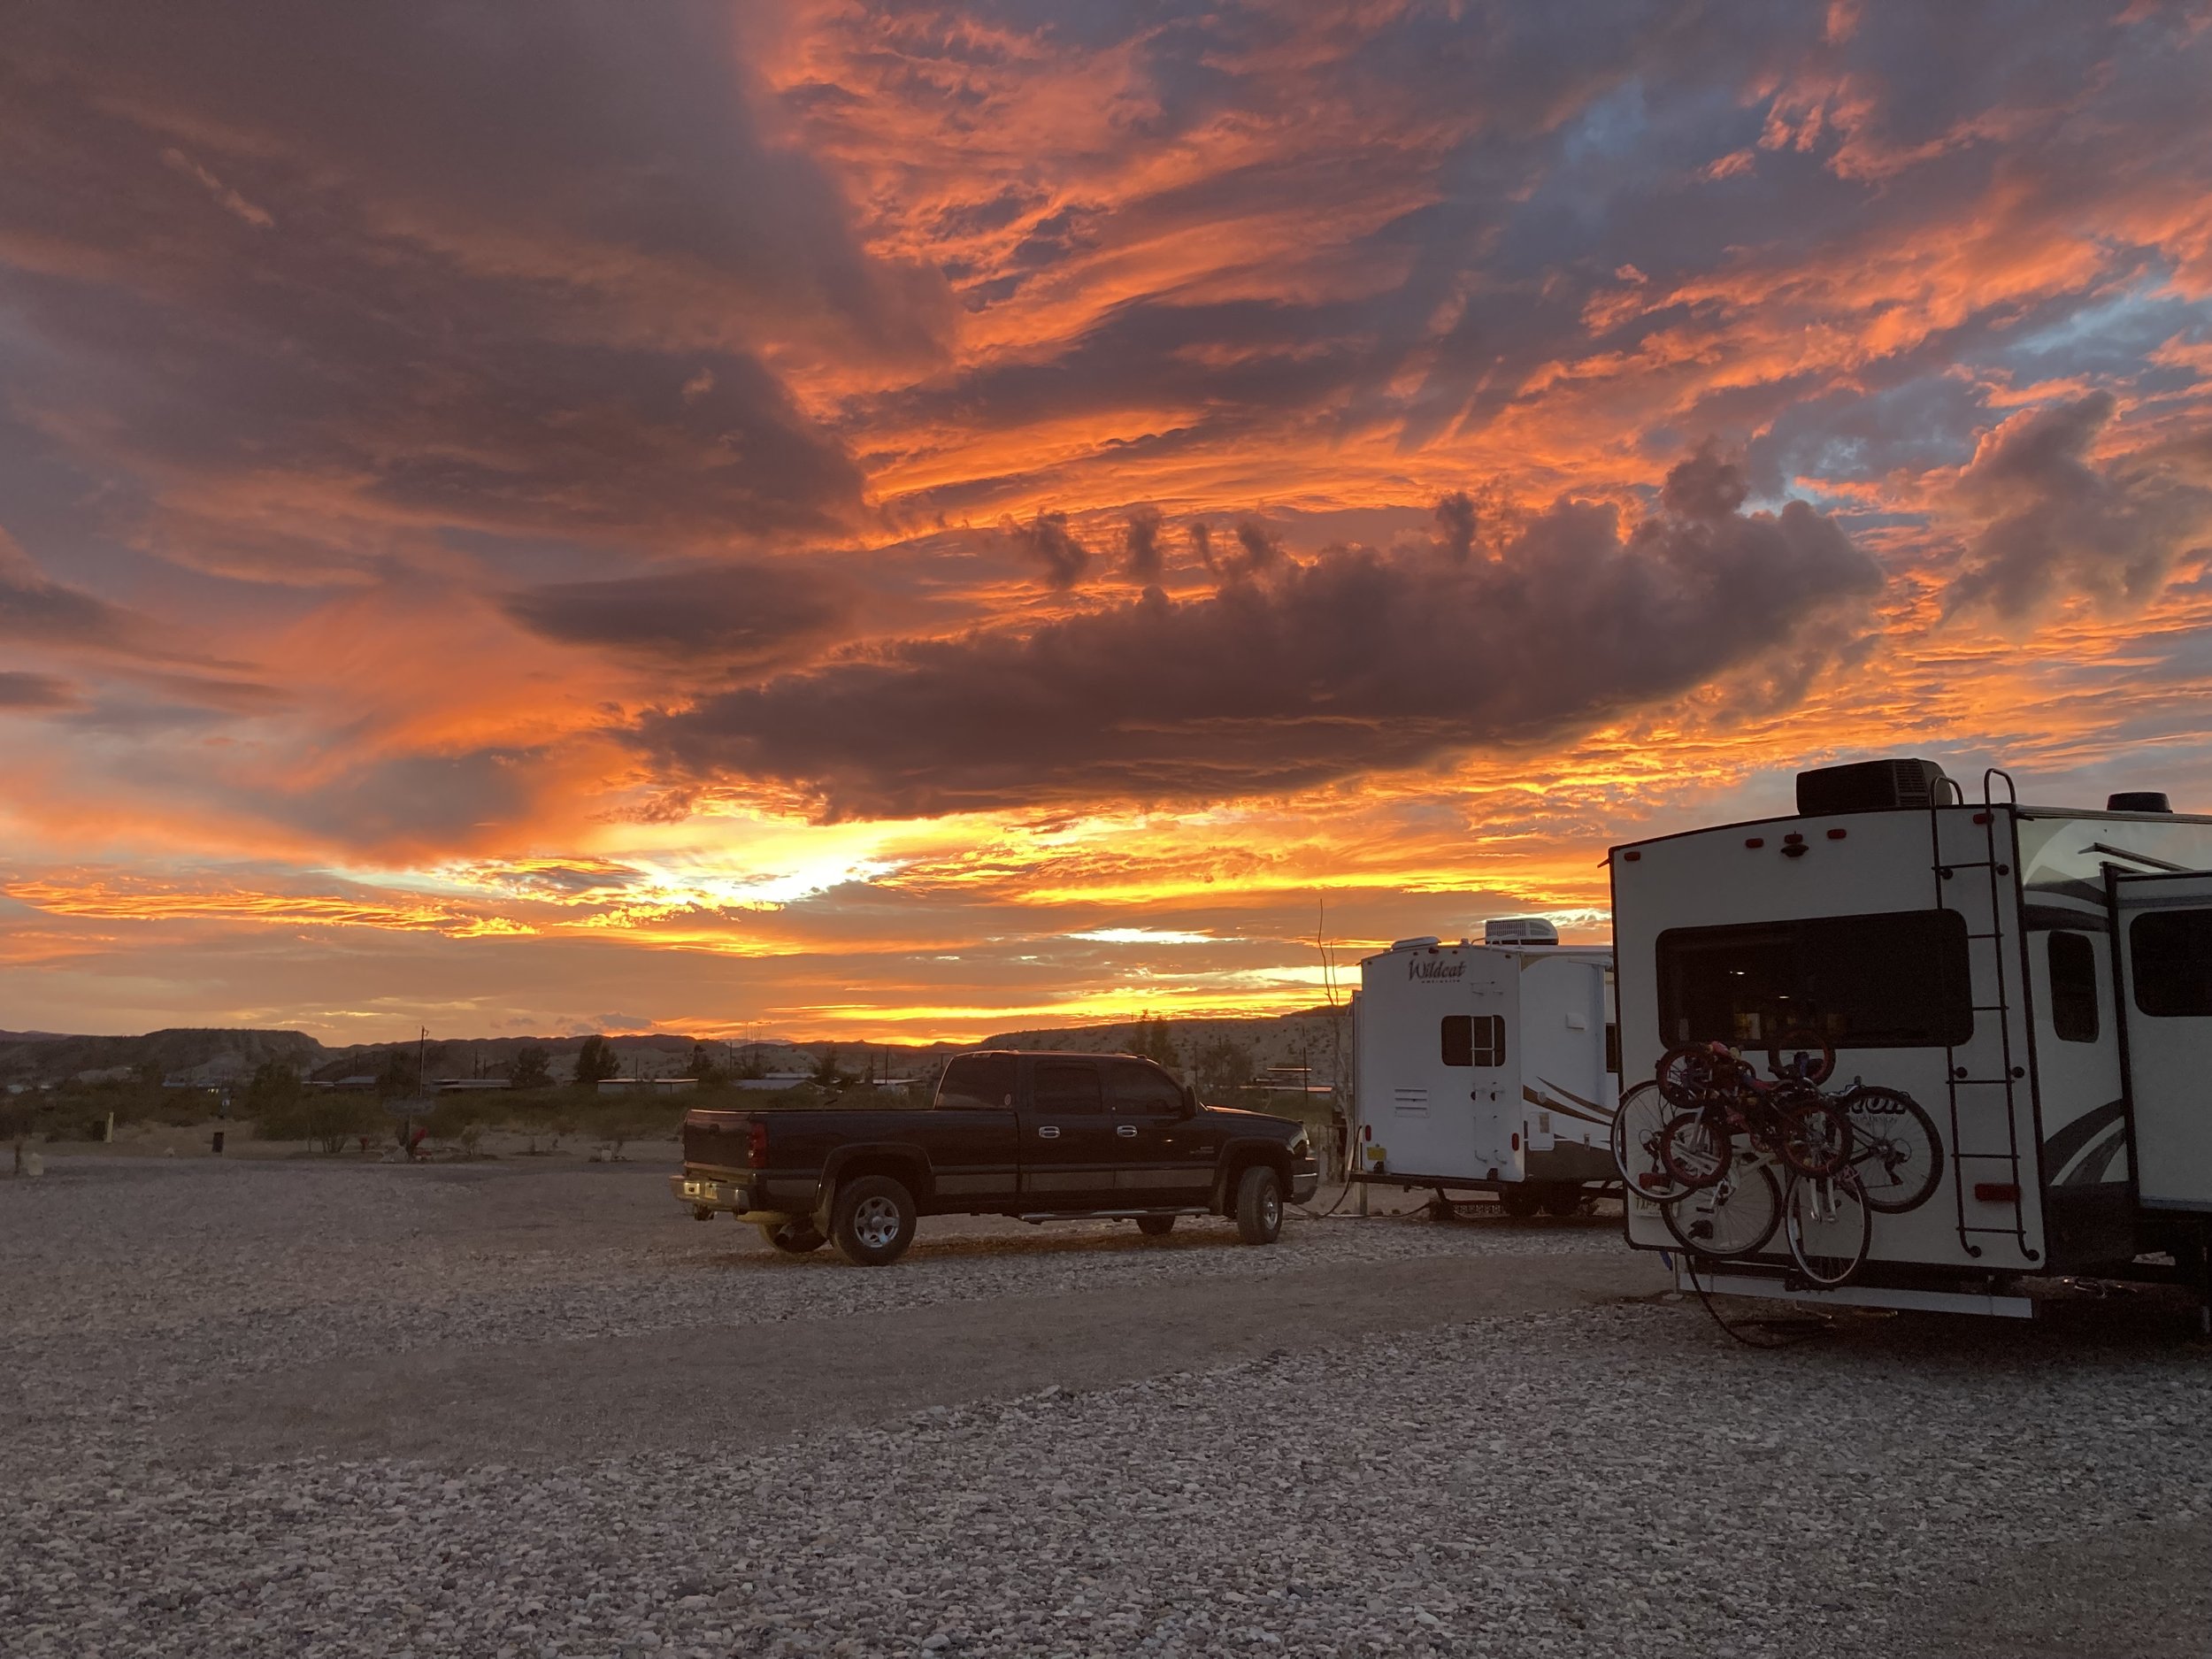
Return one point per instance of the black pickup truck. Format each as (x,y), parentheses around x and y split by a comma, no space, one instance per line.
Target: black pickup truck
(1042,1136)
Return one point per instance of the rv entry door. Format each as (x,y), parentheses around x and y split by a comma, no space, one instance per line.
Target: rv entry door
(2165,972)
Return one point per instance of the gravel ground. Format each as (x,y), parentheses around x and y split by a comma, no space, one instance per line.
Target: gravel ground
(1615,1479)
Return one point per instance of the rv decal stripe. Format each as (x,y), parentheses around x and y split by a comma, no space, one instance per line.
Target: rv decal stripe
(2062,1149)
(1600,1116)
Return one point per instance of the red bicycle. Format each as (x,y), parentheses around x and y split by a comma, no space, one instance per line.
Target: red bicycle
(1720,1098)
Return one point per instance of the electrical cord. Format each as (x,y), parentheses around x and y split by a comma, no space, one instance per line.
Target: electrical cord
(1782,1332)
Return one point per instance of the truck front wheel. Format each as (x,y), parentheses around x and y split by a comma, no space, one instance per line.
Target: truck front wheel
(793,1238)
(1259,1205)
(872,1220)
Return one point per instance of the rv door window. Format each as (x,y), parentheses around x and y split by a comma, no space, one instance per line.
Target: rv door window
(2170,958)
(1895,980)
(2073,986)
(1474,1040)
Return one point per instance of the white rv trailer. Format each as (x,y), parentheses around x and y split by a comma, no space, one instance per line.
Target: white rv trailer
(2039,979)
(1484,1068)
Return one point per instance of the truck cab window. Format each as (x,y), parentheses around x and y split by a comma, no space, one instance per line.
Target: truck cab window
(2170,958)
(973,1080)
(2073,960)
(1068,1086)
(1137,1090)
(1474,1040)
(1899,980)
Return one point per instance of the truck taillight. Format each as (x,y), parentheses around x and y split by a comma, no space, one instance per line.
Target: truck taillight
(757,1145)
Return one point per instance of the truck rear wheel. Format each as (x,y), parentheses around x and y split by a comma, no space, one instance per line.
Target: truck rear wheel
(1259,1205)
(793,1238)
(872,1220)
(1155,1227)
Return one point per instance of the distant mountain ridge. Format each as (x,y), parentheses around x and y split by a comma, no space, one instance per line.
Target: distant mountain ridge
(211,1056)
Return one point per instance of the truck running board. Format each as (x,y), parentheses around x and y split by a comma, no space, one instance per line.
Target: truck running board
(1111,1215)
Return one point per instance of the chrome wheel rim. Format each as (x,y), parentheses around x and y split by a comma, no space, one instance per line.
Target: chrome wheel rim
(876,1222)
(1271,1209)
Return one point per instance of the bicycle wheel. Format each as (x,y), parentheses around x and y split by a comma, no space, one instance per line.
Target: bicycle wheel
(1895,1151)
(1690,1072)
(1814,1134)
(1695,1147)
(1829,1224)
(1735,1217)
(1802,1056)
(1637,1127)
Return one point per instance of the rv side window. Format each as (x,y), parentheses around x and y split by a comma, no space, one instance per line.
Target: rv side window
(2170,957)
(2073,986)
(1474,1040)
(1894,980)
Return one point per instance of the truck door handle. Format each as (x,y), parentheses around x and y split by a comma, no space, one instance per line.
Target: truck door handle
(1128,1132)
(1048,1132)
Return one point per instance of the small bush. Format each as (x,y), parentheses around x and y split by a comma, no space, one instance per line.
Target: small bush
(329,1121)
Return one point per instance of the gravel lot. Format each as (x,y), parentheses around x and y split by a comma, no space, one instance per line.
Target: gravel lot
(1578,1468)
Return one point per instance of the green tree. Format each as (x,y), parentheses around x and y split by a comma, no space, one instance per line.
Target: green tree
(825,1072)
(596,1062)
(273,1092)
(530,1070)
(400,1074)
(704,1067)
(1152,1042)
(1223,1065)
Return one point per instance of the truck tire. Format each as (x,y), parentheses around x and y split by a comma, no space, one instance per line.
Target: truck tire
(1259,1205)
(1155,1227)
(872,1220)
(1520,1198)
(1562,1199)
(792,1238)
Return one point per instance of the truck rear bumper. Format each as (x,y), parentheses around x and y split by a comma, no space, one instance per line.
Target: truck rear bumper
(711,1192)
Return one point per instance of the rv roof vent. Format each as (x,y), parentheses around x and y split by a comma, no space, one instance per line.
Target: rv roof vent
(1519,930)
(1870,786)
(2138,801)
(1413,944)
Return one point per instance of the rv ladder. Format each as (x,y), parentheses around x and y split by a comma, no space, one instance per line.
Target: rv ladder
(1956,1076)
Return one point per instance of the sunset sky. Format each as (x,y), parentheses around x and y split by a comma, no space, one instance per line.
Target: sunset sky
(902,521)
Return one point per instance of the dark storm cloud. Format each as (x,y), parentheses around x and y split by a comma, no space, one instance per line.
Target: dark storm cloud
(2061,523)
(1455,526)
(35,693)
(736,616)
(1047,540)
(1142,557)
(452,261)
(1295,676)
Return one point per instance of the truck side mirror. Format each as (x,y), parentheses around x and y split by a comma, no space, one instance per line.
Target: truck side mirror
(1191,1107)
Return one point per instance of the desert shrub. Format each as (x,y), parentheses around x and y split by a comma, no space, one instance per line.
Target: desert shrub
(460,1119)
(330,1121)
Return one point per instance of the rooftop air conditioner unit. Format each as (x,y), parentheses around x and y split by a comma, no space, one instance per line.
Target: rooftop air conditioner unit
(1519,930)
(1870,785)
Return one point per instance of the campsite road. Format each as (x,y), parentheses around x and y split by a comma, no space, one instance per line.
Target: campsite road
(526,1411)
